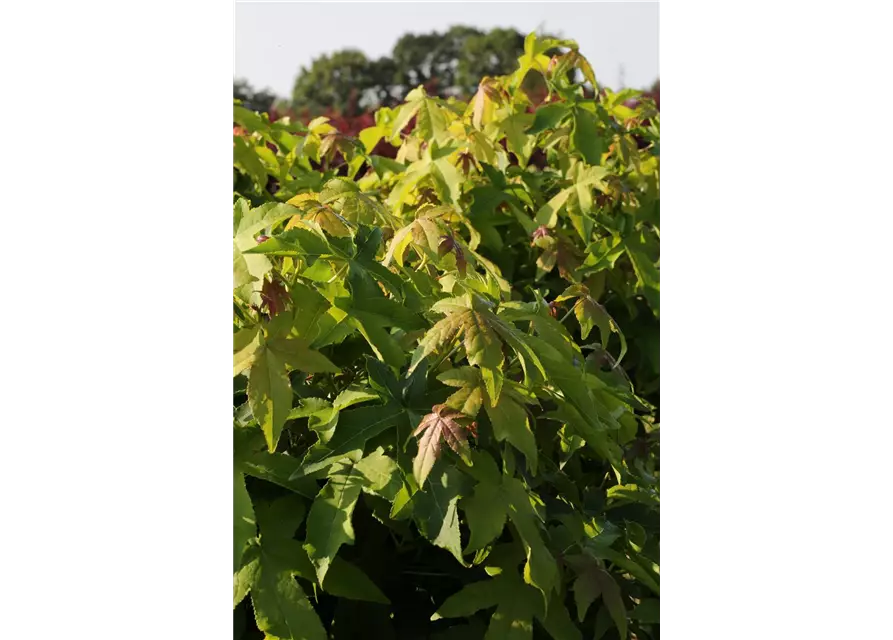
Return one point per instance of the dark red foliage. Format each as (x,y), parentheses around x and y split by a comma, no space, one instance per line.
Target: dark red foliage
(275,296)
(347,125)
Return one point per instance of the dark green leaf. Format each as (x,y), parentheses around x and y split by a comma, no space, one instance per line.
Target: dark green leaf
(329,521)
(547,117)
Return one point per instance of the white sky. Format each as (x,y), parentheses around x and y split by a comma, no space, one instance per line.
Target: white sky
(273,40)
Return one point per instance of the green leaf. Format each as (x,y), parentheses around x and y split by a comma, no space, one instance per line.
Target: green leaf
(244,525)
(297,241)
(548,213)
(247,573)
(246,344)
(514,128)
(310,308)
(603,254)
(541,570)
(278,468)
(354,428)
(370,136)
(279,519)
(383,166)
(346,580)
(593,581)
(264,217)
(329,521)
(586,138)
(246,158)
(486,512)
(241,272)
(381,475)
(472,598)
(269,394)
(633,493)
(509,420)
(636,536)
(483,348)
(431,121)
(435,512)
(470,396)
(297,354)
(447,179)
(647,611)
(602,623)
(442,333)
(625,563)
(281,609)
(397,248)
(559,624)
(548,117)
(516,605)
(647,273)
(386,348)
(382,379)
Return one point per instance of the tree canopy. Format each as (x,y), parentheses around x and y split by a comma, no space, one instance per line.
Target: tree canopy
(255,100)
(449,63)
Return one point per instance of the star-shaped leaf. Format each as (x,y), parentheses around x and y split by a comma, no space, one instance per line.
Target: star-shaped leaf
(438,426)
(594,581)
(516,606)
(508,417)
(590,313)
(435,509)
(329,522)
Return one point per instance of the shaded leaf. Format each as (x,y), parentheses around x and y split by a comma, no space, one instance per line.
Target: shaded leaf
(346,580)
(509,420)
(435,511)
(278,468)
(329,521)
(244,526)
(354,428)
(486,512)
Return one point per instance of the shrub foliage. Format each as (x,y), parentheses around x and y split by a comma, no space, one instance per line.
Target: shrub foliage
(446,372)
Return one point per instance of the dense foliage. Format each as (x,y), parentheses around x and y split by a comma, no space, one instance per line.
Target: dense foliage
(446,372)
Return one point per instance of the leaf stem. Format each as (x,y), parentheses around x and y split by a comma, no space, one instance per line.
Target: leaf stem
(570,311)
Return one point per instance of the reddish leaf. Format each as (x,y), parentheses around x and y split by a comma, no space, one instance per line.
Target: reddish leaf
(441,424)
(448,244)
(275,296)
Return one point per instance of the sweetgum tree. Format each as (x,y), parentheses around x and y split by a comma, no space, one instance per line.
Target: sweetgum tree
(446,372)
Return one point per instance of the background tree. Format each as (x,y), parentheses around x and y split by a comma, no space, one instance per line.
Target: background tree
(256,100)
(488,54)
(421,59)
(339,81)
(450,63)
(382,92)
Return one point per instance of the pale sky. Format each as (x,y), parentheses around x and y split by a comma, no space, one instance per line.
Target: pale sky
(273,40)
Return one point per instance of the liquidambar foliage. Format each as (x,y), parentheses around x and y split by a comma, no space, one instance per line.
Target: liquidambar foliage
(446,372)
